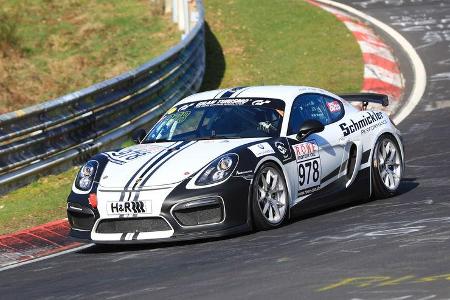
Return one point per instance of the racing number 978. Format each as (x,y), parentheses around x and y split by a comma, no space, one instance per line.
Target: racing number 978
(304,172)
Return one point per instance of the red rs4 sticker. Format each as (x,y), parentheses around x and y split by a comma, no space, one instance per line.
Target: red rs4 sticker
(334,106)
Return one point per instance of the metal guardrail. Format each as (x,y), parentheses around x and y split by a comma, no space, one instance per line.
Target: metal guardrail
(40,138)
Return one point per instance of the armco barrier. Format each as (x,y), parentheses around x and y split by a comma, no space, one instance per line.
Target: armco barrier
(41,137)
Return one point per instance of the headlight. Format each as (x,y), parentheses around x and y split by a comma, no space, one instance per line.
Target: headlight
(86,175)
(219,170)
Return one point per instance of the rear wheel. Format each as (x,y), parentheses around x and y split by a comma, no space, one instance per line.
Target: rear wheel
(387,167)
(270,202)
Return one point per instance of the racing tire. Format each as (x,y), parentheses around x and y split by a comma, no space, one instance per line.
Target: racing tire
(387,167)
(270,198)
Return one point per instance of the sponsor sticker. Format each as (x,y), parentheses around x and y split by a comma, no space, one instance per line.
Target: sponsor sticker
(306,150)
(281,147)
(260,102)
(180,116)
(149,148)
(367,120)
(220,102)
(126,155)
(308,191)
(373,127)
(261,149)
(128,207)
(239,173)
(247,175)
(334,106)
(186,106)
(172,110)
(264,102)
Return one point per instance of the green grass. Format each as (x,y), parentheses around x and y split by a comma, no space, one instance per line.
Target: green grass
(40,202)
(8,29)
(249,42)
(283,42)
(49,48)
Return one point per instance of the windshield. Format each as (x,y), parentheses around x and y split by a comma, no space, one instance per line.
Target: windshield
(220,118)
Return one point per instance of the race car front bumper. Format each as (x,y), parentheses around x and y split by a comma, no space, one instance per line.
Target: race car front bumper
(182,214)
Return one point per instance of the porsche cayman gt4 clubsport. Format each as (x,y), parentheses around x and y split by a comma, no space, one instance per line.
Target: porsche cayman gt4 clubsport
(227,161)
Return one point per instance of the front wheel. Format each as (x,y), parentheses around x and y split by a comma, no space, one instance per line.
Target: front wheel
(387,167)
(270,201)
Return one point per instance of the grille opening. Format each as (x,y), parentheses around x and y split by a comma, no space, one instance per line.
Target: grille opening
(202,215)
(80,220)
(132,225)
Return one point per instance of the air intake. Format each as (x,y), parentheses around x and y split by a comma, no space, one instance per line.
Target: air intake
(132,225)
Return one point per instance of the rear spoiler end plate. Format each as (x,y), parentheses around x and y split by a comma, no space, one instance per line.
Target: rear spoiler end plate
(366,98)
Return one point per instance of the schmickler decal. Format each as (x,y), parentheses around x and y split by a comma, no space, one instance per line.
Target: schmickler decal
(364,122)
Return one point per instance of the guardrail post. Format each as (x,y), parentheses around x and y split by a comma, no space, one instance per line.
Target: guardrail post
(181,15)
(174,11)
(187,16)
(168,6)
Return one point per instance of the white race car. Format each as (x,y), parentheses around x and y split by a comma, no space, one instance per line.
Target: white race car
(227,161)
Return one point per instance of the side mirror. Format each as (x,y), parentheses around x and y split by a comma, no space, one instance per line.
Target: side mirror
(139,135)
(308,127)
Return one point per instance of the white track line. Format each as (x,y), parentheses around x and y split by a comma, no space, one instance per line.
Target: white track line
(15,265)
(420,75)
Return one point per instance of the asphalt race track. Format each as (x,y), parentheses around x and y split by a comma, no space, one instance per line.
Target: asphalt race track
(398,248)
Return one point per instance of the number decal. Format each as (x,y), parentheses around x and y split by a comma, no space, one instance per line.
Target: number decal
(309,173)
(309,169)
(316,171)
(301,174)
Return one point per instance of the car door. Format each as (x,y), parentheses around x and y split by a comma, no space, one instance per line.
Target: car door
(320,155)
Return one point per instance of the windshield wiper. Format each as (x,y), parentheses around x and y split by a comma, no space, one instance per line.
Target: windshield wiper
(160,141)
(211,137)
(218,137)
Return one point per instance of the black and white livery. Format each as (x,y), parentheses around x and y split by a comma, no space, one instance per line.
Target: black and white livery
(227,161)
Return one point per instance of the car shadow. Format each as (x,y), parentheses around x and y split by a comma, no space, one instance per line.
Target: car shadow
(215,62)
(112,248)
(406,185)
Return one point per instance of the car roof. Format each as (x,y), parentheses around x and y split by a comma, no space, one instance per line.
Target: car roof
(283,92)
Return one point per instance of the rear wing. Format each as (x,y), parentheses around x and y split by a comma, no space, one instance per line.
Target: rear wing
(366,98)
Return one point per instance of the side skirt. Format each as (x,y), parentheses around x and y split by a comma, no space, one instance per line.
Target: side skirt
(334,195)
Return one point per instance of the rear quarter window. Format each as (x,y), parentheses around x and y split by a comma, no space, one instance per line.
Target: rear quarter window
(318,107)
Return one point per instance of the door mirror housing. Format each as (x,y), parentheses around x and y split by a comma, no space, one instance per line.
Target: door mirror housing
(139,135)
(309,127)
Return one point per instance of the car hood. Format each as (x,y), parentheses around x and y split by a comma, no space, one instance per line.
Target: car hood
(161,164)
